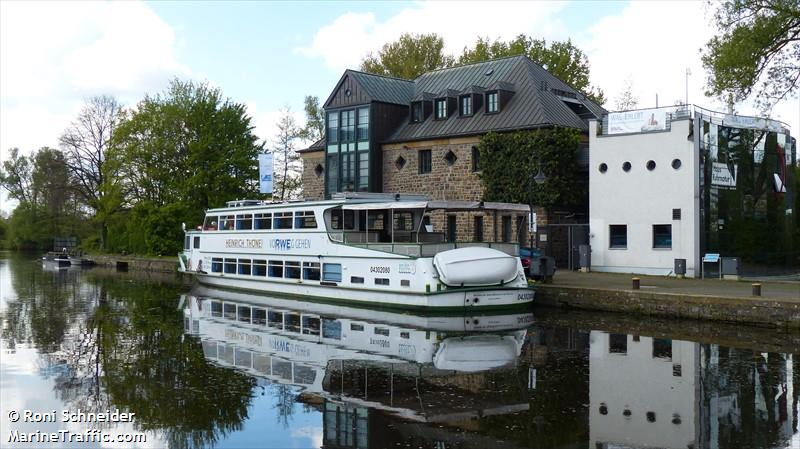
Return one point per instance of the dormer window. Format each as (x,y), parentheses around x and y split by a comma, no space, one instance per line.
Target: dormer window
(416,112)
(465,105)
(492,102)
(441,108)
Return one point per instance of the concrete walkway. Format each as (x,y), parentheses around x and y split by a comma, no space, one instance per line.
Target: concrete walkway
(779,290)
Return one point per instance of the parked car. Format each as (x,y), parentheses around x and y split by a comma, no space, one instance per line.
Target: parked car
(537,266)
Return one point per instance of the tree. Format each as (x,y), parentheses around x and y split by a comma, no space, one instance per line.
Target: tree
(562,59)
(16,177)
(408,57)
(287,178)
(626,100)
(315,120)
(757,49)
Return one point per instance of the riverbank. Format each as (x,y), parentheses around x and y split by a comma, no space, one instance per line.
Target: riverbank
(708,299)
(137,263)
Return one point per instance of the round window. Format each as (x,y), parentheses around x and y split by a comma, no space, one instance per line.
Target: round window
(626,166)
(651,165)
(603,167)
(676,164)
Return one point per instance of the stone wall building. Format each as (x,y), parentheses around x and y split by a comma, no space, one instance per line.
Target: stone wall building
(421,136)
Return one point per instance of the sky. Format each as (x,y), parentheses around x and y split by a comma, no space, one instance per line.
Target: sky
(269,55)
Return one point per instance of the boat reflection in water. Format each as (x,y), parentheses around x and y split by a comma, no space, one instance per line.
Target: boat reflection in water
(349,359)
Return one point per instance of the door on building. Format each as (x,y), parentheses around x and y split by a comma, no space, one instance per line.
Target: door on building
(451,228)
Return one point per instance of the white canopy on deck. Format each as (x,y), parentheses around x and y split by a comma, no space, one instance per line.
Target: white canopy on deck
(449,205)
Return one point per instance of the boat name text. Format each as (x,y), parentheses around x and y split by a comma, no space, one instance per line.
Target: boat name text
(289,348)
(243,243)
(231,334)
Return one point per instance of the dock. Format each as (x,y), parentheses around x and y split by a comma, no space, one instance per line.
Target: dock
(704,299)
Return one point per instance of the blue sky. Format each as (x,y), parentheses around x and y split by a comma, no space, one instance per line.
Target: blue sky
(53,55)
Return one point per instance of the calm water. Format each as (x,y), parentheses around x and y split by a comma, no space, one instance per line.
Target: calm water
(205,368)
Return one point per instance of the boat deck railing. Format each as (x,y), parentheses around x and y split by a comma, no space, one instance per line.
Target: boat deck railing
(431,249)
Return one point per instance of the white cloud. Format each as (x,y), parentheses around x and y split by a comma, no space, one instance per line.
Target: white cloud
(53,55)
(345,41)
(653,43)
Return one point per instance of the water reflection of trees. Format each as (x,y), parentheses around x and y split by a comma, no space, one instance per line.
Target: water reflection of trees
(114,344)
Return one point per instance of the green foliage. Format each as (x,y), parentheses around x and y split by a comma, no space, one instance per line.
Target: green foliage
(562,59)
(509,161)
(408,57)
(757,48)
(315,120)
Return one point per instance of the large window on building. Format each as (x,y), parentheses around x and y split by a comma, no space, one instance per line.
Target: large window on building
(441,108)
(662,236)
(476,155)
(492,102)
(347,152)
(618,236)
(466,105)
(425,161)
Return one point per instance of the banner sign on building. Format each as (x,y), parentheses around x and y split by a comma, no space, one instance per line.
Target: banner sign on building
(740,121)
(644,120)
(723,175)
(265,172)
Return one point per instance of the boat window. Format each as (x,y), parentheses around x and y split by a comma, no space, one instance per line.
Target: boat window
(292,270)
(310,325)
(356,327)
(283,220)
(263,221)
(259,267)
(376,221)
(282,369)
(405,335)
(244,222)
(230,266)
(211,223)
(381,281)
(343,219)
(305,220)
(186,242)
(403,221)
(229,311)
(275,268)
(291,322)
(227,223)
(244,266)
(216,308)
(197,243)
(382,331)
(332,272)
(244,313)
(311,271)
(304,375)
(275,319)
(216,265)
(331,329)
(261,363)
(243,358)
(356,280)
(259,316)
(405,283)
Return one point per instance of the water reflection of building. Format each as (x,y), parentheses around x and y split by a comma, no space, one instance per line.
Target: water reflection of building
(649,392)
(354,362)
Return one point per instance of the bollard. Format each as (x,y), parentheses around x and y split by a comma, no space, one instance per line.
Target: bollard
(635,283)
(756,289)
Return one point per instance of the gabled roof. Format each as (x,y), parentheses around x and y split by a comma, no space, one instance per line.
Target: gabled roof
(378,88)
(536,99)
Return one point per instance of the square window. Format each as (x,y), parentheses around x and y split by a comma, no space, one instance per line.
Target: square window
(441,108)
(618,236)
(618,344)
(311,271)
(662,348)
(292,270)
(332,272)
(492,102)
(450,158)
(662,236)
(425,161)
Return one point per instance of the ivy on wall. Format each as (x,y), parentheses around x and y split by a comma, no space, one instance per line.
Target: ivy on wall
(509,161)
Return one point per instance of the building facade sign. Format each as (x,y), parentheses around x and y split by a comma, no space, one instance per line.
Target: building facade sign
(723,175)
(265,172)
(644,120)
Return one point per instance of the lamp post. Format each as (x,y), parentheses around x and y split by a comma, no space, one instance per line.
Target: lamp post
(540,178)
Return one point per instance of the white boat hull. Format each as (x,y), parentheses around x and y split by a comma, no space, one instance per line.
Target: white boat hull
(443,300)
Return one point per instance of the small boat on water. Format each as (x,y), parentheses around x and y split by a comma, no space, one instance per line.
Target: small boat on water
(60,260)
(363,248)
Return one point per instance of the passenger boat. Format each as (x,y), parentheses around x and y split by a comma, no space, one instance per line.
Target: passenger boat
(59,260)
(362,248)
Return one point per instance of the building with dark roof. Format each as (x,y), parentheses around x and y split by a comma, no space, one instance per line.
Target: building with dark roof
(393,135)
